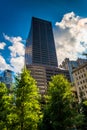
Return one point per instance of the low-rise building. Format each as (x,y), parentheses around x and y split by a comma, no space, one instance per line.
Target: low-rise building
(72,64)
(80,80)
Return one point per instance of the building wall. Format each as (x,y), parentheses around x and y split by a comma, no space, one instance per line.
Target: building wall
(1,79)
(43,75)
(71,64)
(39,74)
(40,46)
(80,80)
(51,71)
(7,78)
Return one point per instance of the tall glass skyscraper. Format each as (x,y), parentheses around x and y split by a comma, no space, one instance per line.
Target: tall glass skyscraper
(40,53)
(40,46)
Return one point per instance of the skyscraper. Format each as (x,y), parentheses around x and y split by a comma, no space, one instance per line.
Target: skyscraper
(40,47)
(7,77)
(40,53)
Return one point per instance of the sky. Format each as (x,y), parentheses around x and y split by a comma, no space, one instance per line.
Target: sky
(69,22)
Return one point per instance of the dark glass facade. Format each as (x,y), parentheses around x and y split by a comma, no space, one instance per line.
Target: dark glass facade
(40,46)
(40,54)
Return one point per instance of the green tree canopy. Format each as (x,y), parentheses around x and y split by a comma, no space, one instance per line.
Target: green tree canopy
(7,114)
(59,112)
(3,111)
(27,101)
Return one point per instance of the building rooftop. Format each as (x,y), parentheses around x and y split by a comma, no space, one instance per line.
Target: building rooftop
(79,67)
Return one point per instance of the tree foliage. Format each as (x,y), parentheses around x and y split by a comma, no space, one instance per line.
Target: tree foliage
(83,110)
(3,111)
(20,107)
(59,111)
(7,114)
(27,101)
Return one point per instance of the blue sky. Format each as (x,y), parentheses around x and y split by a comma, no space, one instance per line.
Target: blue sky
(69,21)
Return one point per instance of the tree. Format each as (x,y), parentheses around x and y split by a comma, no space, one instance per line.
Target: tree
(27,101)
(3,111)
(7,109)
(83,110)
(60,100)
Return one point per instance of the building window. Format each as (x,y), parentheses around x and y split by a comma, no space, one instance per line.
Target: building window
(83,81)
(77,78)
(82,76)
(80,82)
(83,70)
(82,87)
(79,88)
(76,74)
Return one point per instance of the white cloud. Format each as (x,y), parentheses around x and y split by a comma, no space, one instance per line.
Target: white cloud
(17,52)
(17,63)
(70,36)
(2,45)
(3,64)
(17,48)
(16,57)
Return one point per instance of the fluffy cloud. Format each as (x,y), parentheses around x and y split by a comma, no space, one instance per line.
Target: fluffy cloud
(17,51)
(3,64)
(17,48)
(2,45)
(70,36)
(17,63)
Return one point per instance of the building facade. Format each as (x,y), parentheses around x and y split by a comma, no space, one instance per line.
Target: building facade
(1,79)
(80,81)
(7,78)
(40,46)
(72,64)
(43,75)
(40,54)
